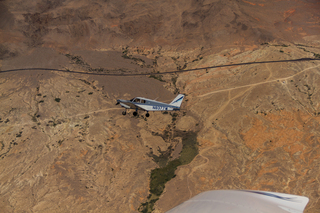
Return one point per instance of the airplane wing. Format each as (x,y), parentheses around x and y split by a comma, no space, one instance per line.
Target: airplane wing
(242,201)
(130,105)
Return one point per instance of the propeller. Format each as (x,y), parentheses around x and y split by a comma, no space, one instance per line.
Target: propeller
(117,103)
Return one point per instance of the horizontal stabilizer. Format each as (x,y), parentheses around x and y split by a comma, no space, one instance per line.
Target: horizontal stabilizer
(177,101)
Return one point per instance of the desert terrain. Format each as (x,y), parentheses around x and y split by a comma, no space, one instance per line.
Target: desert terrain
(250,71)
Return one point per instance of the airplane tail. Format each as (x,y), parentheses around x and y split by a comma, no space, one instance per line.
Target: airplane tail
(177,101)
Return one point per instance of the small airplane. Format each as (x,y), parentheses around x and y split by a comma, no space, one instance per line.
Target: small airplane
(145,104)
(242,201)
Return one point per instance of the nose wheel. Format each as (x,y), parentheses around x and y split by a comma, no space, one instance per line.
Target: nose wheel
(124,113)
(135,113)
(147,115)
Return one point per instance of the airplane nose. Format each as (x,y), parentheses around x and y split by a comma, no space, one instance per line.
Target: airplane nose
(118,102)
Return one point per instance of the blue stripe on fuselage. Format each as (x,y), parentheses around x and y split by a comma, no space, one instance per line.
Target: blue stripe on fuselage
(177,100)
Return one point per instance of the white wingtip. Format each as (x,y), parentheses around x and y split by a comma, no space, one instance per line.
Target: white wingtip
(242,201)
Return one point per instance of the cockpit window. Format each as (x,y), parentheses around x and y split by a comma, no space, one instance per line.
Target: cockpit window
(138,100)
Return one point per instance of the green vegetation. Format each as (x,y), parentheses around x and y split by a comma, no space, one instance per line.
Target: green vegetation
(300,46)
(8,150)
(125,52)
(155,61)
(174,116)
(12,109)
(96,69)
(85,81)
(54,122)
(77,60)
(19,135)
(199,57)
(34,118)
(160,176)
(57,99)
(2,145)
(189,149)
(126,56)
(60,142)
(163,158)
(157,77)
(182,68)
(174,80)
(137,59)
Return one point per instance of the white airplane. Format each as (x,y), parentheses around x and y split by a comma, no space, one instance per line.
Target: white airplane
(145,104)
(242,201)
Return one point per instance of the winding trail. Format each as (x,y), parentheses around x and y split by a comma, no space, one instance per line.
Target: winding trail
(197,167)
(256,84)
(201,152)
(50,119)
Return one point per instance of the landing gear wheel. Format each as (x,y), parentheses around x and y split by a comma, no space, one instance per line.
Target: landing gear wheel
(124,113)
(135,113)
(147,115)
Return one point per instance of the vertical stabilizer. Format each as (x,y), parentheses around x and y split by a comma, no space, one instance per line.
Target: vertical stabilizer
(177,101)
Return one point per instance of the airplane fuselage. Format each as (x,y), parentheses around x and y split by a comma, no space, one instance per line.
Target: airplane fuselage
(149,105)
(145,104)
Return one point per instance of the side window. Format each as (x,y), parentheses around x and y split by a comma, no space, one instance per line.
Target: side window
(137,100)
(143,101)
